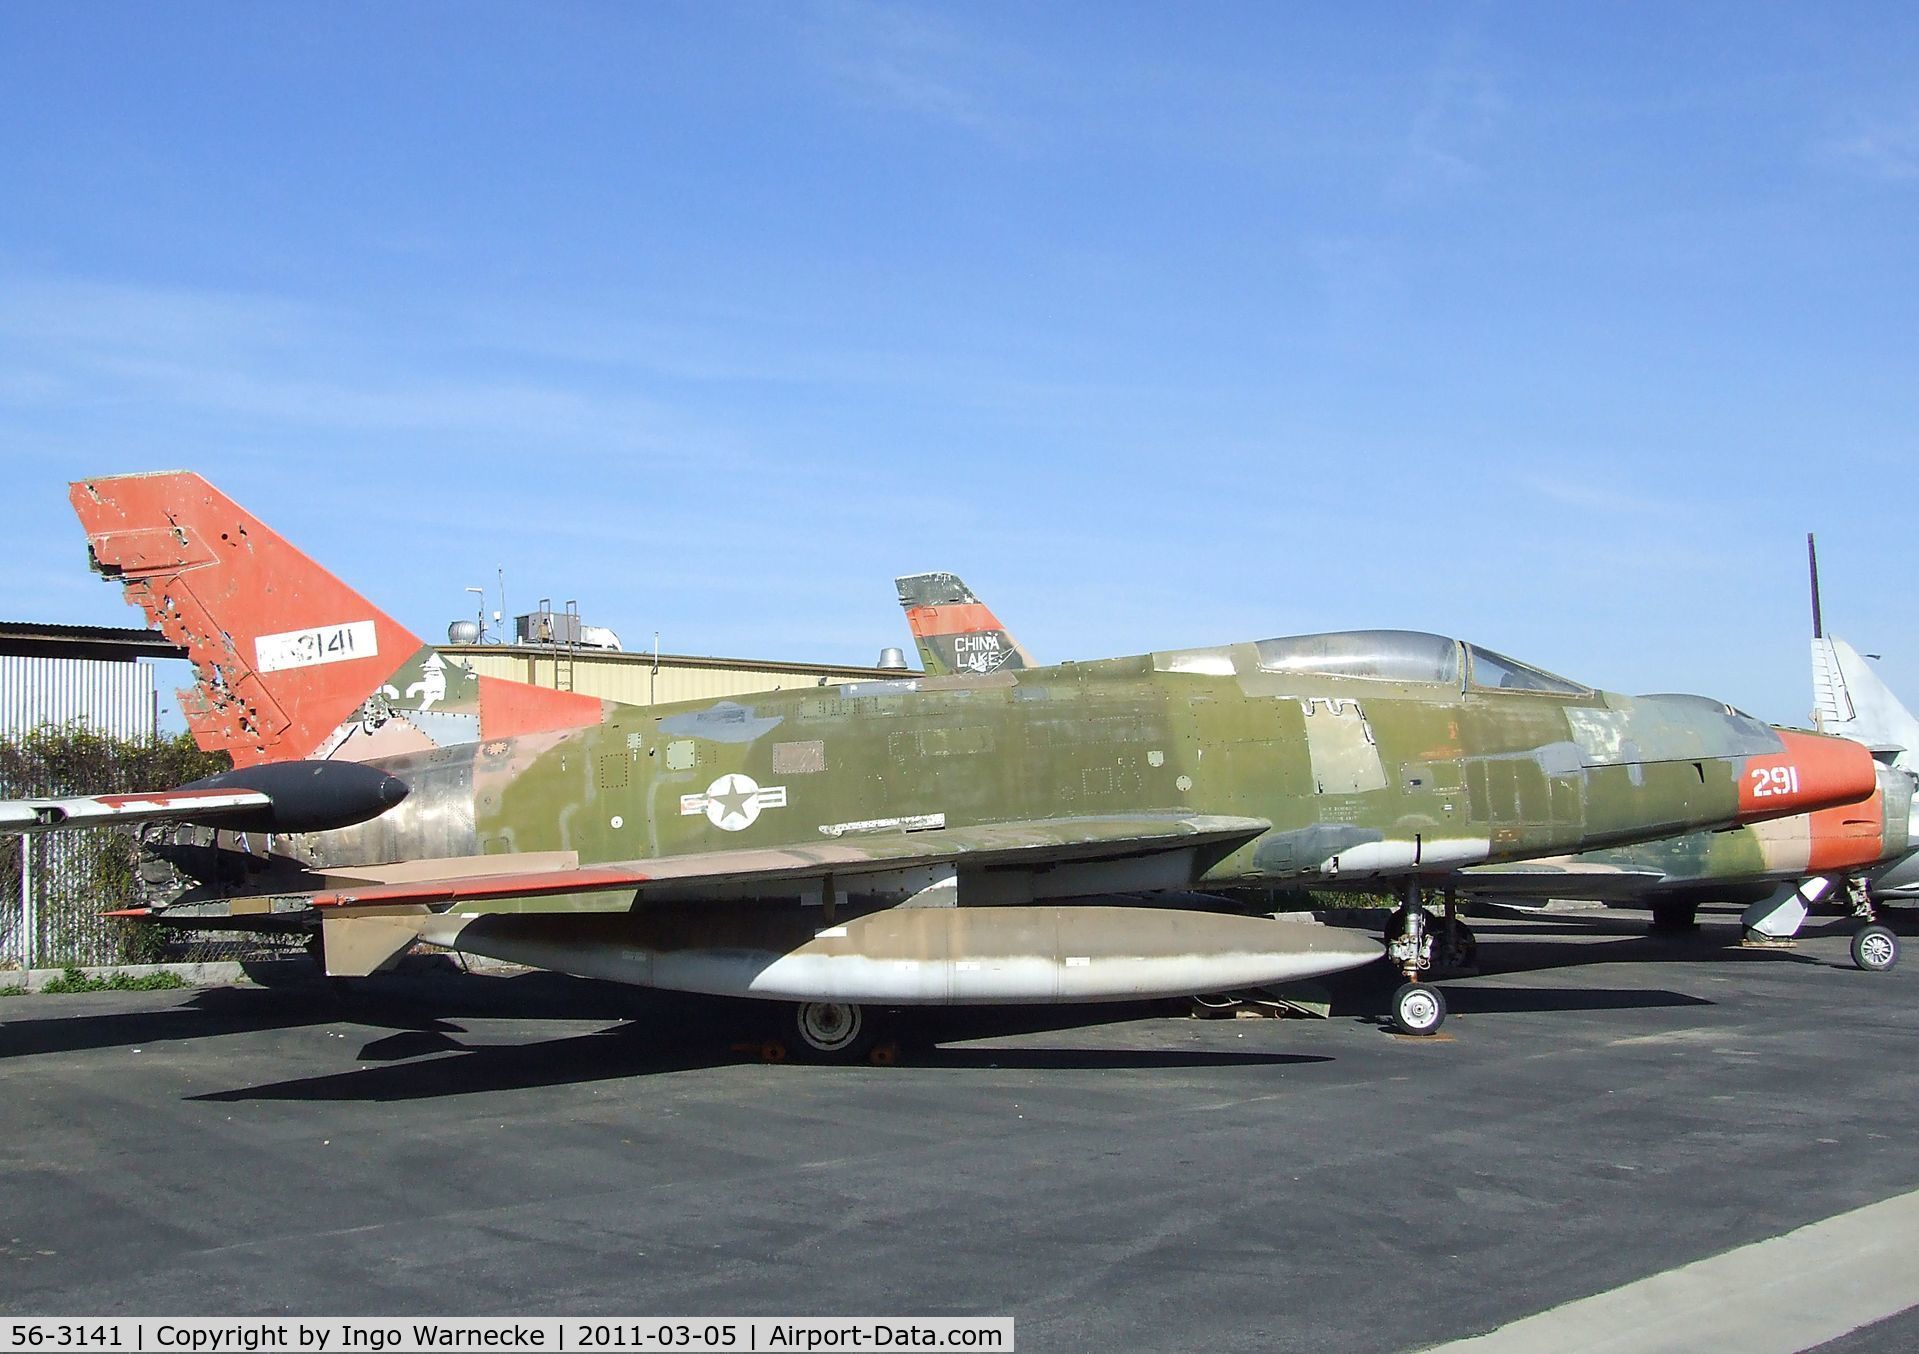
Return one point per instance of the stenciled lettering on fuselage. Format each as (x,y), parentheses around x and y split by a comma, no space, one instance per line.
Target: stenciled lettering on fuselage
(979,653)
(733,802)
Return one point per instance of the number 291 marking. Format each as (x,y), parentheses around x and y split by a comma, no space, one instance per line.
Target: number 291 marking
(1768,781)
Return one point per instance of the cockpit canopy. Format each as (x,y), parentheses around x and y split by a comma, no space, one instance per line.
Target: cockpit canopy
(1406,656)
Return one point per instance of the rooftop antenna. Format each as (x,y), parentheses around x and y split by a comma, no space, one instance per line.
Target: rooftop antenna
(1812,563)
(480,608)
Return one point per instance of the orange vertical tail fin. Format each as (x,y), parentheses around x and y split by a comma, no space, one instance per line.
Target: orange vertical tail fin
(287,658)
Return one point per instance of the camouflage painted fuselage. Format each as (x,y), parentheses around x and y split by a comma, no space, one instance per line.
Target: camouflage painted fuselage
(1873,838)
(1360,778)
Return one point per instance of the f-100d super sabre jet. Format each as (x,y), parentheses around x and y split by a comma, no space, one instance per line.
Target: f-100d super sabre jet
(939,840)
(1523,794)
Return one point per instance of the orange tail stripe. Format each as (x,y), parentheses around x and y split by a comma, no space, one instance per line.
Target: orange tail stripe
(961,618)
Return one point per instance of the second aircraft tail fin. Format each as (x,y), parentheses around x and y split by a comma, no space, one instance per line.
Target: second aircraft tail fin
(956,633)
(1849,699)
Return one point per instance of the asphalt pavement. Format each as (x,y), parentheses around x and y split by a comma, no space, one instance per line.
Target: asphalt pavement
(1601,1107)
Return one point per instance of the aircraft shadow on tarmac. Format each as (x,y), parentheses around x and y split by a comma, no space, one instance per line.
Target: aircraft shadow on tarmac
(1462,1000)
(417,1002)
(1531,947)
(441,1066)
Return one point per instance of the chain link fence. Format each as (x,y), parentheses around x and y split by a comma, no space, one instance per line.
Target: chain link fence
(56,886)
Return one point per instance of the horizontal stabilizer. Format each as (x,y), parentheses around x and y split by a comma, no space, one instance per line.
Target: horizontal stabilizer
(271,797)
(51,815)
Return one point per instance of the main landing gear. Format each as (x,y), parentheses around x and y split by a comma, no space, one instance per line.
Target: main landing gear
(835,1031)
(1419,1008)
(1874,947)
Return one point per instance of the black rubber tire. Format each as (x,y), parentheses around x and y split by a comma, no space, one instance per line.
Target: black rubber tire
(1875,948)
(1418,1008)
(834,1031)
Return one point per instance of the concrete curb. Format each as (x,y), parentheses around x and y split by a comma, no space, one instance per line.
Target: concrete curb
(193,975)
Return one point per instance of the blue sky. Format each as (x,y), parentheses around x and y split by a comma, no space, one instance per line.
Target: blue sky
(1163,325)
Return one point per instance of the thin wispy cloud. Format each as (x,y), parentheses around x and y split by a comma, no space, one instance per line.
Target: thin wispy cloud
(97,345)
(1885,149)
(916,61)
(1462,105)
(1606,500)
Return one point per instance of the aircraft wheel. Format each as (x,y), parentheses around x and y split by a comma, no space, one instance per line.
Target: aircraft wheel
(1875,949)
(837,1031)
(1418,1008)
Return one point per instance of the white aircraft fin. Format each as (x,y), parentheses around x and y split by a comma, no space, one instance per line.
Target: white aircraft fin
(1849,699)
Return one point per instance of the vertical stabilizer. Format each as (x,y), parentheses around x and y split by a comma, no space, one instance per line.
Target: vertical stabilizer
(956,633)
(1850,700)
(288,661)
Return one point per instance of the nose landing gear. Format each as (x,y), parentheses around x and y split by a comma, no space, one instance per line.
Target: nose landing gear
(1417,1008)
(1874,946)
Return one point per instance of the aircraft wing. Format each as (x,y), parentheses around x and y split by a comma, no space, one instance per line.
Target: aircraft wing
(49,815)
(1037,844)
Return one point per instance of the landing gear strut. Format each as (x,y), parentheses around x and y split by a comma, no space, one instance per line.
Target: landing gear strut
(1874,947)
(1455,947)
(1418,1008)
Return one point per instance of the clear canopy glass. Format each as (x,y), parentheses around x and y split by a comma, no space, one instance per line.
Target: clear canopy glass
(1500,673)
(1384,655)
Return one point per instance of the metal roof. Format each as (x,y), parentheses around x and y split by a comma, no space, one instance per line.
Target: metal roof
(44,639)
(646,658)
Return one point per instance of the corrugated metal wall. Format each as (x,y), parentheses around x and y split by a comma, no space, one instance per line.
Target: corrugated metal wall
(107,695)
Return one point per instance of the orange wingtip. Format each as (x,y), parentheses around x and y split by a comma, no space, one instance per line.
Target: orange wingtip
(129,912)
